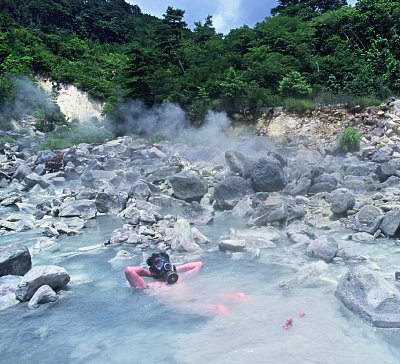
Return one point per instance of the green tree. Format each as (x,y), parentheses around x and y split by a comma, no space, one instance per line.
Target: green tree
(17,64)
(140,67)
(174,19)
(290,36)
(204,32)
(267,67)
(233,89)
(294,85)
(307,8)
(377,17)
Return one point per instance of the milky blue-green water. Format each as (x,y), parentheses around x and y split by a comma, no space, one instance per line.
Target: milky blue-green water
(101,319)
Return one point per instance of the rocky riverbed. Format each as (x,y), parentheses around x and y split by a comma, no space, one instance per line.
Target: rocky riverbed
(324,205)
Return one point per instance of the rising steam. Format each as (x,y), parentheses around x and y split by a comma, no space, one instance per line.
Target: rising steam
(171,122)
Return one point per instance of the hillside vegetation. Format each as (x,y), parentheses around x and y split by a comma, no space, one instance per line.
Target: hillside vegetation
(313,51)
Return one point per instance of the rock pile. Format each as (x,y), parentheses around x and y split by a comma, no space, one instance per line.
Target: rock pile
(19,281)
(301,193)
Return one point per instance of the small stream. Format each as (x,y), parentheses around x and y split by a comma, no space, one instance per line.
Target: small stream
(101,319)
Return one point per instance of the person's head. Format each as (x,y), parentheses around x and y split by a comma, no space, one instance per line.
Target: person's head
(161,268)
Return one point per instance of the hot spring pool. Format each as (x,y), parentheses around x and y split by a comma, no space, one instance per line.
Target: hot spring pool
(101,319)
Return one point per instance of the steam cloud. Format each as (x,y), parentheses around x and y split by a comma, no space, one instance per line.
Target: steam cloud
(27,98)
(167,119)
(170,121)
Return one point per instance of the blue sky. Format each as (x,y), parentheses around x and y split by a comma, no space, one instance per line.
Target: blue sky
(227,14)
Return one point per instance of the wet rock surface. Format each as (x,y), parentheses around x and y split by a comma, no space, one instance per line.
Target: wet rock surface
(368,294)
(14,260)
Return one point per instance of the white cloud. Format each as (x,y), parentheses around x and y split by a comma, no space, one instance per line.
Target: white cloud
(227,13)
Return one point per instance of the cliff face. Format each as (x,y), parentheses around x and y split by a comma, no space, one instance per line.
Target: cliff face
(73,103)
(322,127)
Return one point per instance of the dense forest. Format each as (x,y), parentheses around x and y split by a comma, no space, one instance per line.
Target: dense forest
(316,51)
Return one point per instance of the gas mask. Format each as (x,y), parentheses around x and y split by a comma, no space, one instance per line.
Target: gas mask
(161,268)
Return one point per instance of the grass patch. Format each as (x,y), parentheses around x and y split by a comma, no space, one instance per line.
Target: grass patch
(68,137)
(350,140)
(7,139)
(298,106)
(366,101)
(325,98)
(158,138)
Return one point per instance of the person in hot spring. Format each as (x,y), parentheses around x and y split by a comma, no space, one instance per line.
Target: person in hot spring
(170,285)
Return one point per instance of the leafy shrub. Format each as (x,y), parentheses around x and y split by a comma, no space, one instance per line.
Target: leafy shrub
(350,140)
(110,105)
(48,118)
(298,106)
(67,137)
(294,85)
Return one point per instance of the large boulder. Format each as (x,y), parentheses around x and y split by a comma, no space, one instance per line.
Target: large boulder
(361,169)
(161,173)
(131,214)
(67,225)
(388,169)
(395,105)
(391,182)
(182,239)
(124,235)
(236,161)
(297,229)
(21,172)
(34,179)
(232,245)
(111,202)
(43,295)
(11,199)
(54,276)
(324,247)
(197,214)
(341,202)
(230,191)
(298,187)
(43,156)
(94,178)
(273,209)
(140,190)
(368,219)
(382,155)
(244,208)
(321,187)
(323,183)
(14,260)
(390,223)
(17,225)
(267,175)
(86,209)
(188,186)
(366,293)
(355,184)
